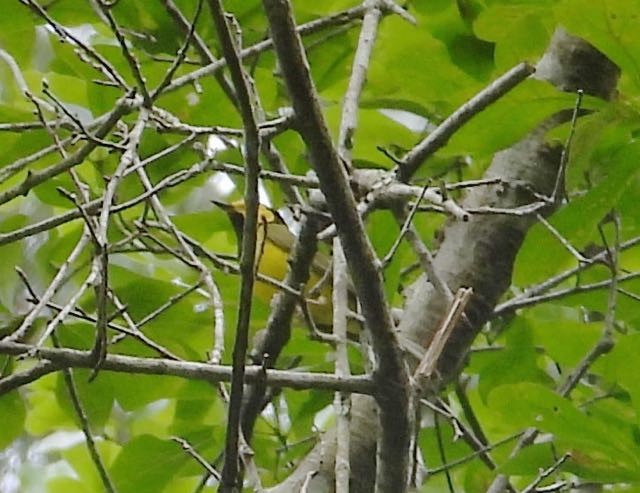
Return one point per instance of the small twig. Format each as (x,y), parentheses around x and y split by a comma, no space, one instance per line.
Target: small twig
(441,452)
(81,127)
(131,59)
(278,327)
(535,293)
(17,380)
(38,177)
(101,63)
(394,394)
(100,264)
(231,475)
(473,456)
(565,243)
(85,426)
(606,342)
(559,192)
(403,229)
(137,335)
(206,57)
(603,346)
(359,69)
(524,301)
(22,331)
(461,430)
(424,257)
(188,448)
(316,25)
(182,53)
(532,487)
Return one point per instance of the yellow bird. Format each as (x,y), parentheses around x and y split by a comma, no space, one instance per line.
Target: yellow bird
(274,243)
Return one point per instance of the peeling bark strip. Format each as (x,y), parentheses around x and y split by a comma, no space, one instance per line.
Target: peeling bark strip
(477,254)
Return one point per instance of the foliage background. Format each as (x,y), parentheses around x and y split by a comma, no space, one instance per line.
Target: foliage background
(429,69)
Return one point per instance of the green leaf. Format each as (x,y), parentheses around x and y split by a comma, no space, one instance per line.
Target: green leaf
(96,397)
(620,366)
(529,461)
(517,362)
(83,465)
(12,255)
(45,413)
(13,411)
(599,452)
(398,71)
(520,30)
(515,115)
(561,332)
(577,221)
(611,27)
(146,464)
(66,485)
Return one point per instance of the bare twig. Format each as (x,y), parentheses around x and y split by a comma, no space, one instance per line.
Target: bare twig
(436,139)
(85,426)
(22,331)
(93,207)
(182,53)
(188,448)
(203,50)
(100,63)
(100,265)
(278,327)
(605,343)
(71,358)
(532,487)
(565,243)
(359,69)
(338,19)
(603,346)
(534,294)
(129,56)
(473,456)
(38,177)
(559,192)
(16,380)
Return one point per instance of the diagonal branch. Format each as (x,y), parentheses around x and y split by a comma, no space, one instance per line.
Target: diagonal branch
(439,137)
(231,480)
(390,376)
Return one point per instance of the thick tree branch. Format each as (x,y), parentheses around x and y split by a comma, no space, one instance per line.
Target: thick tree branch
(390,376)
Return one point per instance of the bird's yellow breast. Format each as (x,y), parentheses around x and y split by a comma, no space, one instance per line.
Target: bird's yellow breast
(273,263)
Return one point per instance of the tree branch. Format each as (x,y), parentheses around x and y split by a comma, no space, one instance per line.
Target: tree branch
(390,376)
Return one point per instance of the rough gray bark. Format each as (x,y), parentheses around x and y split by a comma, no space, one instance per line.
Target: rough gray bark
(478,254)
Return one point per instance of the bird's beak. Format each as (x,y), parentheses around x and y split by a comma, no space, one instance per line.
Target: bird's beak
(225,207)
